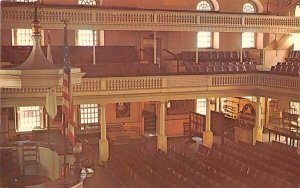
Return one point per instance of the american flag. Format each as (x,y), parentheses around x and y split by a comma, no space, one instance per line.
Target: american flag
(67,104)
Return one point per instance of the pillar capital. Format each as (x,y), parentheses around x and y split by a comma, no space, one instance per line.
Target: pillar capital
(102,105)
(162,102)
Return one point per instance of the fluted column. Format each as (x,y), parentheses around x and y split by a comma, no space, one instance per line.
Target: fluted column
(103,143)
(207,134)
(162,138)
(257,130)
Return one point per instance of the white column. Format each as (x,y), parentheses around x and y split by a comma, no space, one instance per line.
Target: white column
(154,47)
(207,134)
(103,143)
(197,50)
(298,147)
(162,138)
(257,130)
(217,104)
(241,50)
(267,111)
(94,47)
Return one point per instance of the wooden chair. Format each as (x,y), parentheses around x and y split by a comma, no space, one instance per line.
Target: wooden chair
(30,157)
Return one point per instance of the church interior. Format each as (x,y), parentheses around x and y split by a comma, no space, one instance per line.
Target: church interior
(150,93)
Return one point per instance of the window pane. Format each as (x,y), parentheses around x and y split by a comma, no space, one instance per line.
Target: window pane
(201,106)
(85,37)
(23,37)
(204,6)
(248,40)
(29,117)
(88,113)
(87,2)
(248,8)
(204,40)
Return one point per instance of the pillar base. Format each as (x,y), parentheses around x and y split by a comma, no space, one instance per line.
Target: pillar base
(162,143)
(103,150)
(257,135)
(208,139)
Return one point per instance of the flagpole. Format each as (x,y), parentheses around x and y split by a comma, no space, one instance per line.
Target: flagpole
(66,91)
(64,146)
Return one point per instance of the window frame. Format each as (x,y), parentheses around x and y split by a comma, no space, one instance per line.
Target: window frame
(78,36)
(252,38)
(208,2)
(244,37)
(14,37)
(253,6)
(92,112)
(200,42)
(87,2)
(19,116)
(201,105)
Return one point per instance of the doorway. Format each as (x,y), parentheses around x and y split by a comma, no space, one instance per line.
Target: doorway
(149,114)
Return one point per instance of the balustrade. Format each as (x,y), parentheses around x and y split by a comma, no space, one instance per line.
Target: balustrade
(102,18)
(253,80)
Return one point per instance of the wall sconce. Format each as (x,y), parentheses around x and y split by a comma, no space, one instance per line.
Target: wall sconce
(168,104)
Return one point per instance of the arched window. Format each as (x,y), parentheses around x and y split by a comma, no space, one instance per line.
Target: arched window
(204,6)
(249,8)
(248,38)
(85,37)
(87,2)
(204,38)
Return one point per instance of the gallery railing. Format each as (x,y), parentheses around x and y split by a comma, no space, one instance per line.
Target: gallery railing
(17,15)
(146,85)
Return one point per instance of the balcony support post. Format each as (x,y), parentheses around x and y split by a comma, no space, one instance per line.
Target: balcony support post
(103,142)
(162,138)
(208,138)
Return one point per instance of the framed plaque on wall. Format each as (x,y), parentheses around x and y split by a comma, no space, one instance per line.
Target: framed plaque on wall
(123,109)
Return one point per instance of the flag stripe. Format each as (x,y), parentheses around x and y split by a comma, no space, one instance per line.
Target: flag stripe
(67,104)
(71,133)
